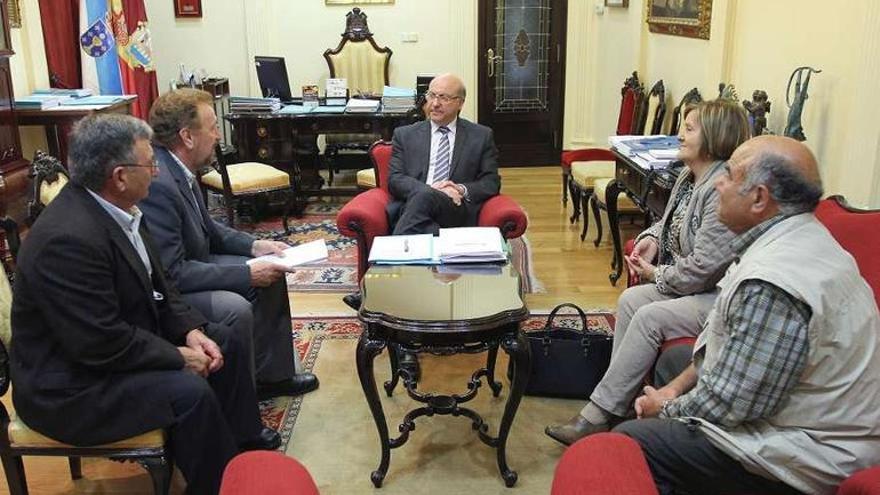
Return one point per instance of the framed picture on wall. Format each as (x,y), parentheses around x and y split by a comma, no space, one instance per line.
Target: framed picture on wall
(356,2)
(187,8)
(690,18)
(617,3)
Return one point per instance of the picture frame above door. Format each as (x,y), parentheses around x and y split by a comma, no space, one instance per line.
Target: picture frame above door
(689,18)
(187,8)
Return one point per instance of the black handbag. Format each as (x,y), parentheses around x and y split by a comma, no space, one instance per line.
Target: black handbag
(567,362)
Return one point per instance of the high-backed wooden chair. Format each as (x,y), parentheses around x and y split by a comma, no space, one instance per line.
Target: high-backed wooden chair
(18,440)
(580,168)
(247,181)
(48,176)
(692,97)
(364,65)
(649,120)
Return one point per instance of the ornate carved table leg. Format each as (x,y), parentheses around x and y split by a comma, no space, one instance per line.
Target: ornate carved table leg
(394,359)
(491,358)
(517,347)
(367,350)
(611,193)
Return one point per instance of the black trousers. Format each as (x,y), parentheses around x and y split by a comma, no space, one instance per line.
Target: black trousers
(684,461)
(426,211)
(211,417)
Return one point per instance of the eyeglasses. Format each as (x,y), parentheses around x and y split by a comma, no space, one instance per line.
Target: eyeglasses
(441,97)
(154,165)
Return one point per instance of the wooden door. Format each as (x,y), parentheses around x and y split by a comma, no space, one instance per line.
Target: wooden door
(521,75)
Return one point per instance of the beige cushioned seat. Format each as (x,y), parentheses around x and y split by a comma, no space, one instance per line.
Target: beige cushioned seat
(249,177)
(20,435)
(48,191)
(366,178)
(585,174)
(624,204)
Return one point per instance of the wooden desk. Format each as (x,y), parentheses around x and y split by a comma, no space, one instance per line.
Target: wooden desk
(288,140)
(57,121)
(649,190)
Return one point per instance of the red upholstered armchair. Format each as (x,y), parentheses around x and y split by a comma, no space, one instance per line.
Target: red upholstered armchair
(364,216)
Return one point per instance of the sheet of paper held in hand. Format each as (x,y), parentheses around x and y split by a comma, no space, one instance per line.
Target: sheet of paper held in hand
(297,255)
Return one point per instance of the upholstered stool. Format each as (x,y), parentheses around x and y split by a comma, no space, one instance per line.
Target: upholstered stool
(603,464)
(261,472)
(249,177)
(625,206)
(583,178)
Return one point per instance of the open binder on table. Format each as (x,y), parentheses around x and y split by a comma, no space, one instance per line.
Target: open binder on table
(456,245)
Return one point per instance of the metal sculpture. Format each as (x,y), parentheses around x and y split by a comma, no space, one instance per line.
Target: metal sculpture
(758,108)
(793,127)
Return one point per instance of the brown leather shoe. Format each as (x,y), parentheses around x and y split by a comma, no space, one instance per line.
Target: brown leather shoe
(577,427)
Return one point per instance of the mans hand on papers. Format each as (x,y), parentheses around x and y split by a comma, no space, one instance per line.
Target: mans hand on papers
(263,247)
(451,189)
(266,273)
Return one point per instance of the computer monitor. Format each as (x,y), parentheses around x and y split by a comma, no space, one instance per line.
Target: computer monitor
(272,74)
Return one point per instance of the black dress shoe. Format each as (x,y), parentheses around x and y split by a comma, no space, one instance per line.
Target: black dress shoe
(301,383)
(353,300)
(410,361)
(269,439)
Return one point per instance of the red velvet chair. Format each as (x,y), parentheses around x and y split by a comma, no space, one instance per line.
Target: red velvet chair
(260,472)
(603,464)
(364,216)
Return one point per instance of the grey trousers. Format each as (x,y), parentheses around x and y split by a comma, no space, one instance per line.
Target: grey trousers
(684,461)
(645,319)
(263,315)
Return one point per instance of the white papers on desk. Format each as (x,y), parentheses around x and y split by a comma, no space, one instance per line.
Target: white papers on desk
(297,255)
(403,249)
(471,245)
(357,105)
(637,149)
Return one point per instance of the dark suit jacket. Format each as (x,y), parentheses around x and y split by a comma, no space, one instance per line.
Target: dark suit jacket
(474,164)
(187,236)
(84,314)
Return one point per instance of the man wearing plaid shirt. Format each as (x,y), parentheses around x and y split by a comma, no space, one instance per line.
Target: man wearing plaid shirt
(779,397)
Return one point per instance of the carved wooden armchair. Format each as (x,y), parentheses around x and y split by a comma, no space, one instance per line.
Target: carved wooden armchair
(248,181)
(364,217)
(18,440)
(364,65)
(49,176)
(652,111)
(692,97)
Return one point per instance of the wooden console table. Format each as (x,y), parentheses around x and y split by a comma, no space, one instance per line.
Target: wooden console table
(649,190)
(288,140)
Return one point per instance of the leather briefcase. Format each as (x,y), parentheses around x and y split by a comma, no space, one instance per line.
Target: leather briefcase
(566,362)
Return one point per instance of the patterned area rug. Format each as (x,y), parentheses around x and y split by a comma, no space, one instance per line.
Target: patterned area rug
(309,333)
(339,272)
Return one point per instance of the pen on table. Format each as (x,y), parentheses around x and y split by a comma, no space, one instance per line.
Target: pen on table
(406,245)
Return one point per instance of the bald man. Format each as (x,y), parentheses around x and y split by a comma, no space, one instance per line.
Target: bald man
(781,396)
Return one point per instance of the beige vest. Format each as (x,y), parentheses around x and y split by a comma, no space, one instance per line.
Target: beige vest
(829,425)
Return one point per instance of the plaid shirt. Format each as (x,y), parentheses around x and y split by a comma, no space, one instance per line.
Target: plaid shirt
(761,361)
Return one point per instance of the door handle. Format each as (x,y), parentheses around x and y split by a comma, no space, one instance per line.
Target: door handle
(491,58)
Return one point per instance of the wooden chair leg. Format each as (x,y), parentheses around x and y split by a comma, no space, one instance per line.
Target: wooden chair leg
(576,194)
(15,477)
(75,467)
(584,201)
(160,470)
(565,176)
(595,206)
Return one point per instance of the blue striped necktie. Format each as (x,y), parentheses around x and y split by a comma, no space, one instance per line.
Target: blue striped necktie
(442,159)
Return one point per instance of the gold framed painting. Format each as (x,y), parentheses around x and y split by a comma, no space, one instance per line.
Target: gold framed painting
(690,18)
(357,2)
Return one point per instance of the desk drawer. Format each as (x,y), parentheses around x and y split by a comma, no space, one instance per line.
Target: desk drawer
(632,181)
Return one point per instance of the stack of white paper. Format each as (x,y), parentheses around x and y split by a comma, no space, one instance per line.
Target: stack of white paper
(357,105)
(297,255)
(471,245)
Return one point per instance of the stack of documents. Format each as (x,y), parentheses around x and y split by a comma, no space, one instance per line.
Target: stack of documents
(300,109)
(297,255)
(458,245)
(357,105)
(38,102)
(471,245)
(647,151)
(94,100)
(397,99)
(73,93)
(249,104)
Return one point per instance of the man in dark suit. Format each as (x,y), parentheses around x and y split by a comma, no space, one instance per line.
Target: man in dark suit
(103,347)
(443,168)
(208,260)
